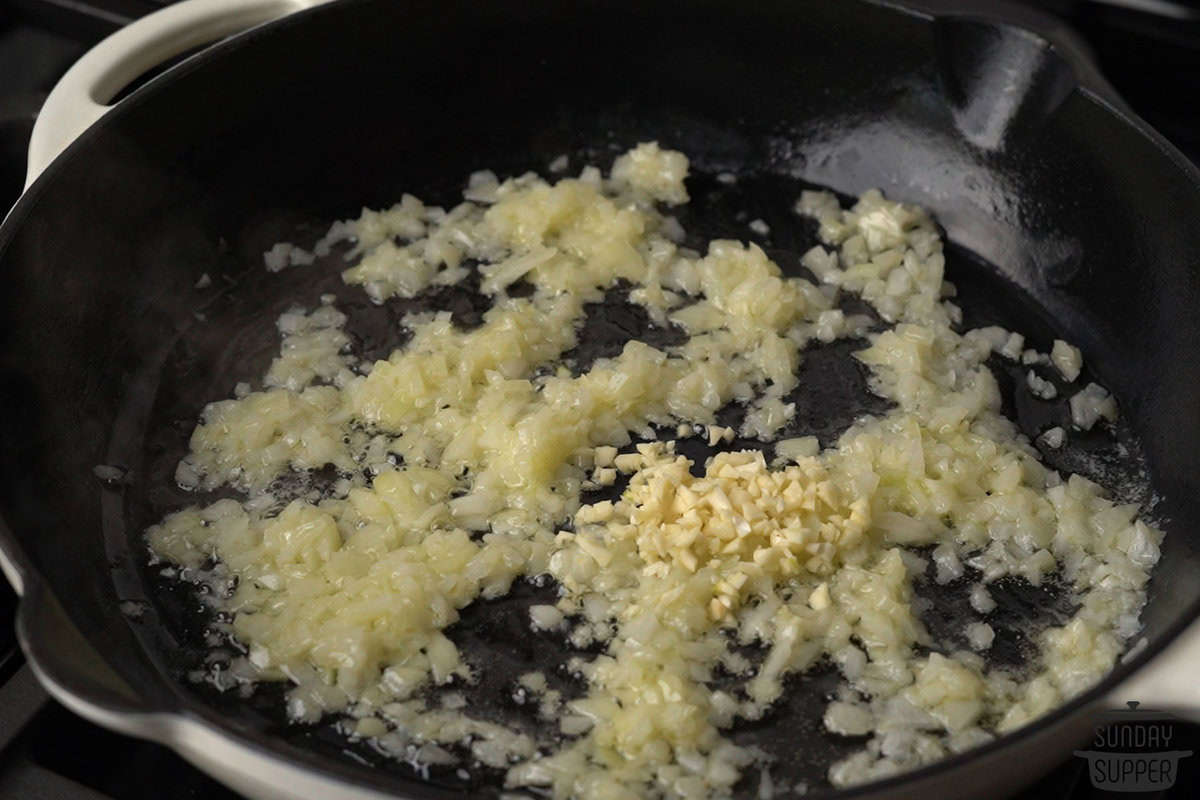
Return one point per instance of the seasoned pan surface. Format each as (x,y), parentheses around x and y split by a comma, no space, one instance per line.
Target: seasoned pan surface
(234,339)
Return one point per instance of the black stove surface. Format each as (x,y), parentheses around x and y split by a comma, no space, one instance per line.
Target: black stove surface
(1149,50)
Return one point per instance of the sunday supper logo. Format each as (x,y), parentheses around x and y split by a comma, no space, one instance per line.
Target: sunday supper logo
(1131,751)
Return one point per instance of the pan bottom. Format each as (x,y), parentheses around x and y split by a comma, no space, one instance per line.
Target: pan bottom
(233,340)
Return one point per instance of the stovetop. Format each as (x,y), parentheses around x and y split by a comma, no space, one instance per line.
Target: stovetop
(1149,50)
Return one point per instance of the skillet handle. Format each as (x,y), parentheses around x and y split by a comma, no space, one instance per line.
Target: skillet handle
(1168,681)
(84,93)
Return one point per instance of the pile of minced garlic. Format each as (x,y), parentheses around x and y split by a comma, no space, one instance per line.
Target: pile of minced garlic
(462,458)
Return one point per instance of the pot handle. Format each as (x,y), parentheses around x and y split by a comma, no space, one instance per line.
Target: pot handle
(1167,681)
(85,92)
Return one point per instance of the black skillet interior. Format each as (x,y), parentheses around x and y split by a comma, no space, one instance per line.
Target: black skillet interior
(1077,224)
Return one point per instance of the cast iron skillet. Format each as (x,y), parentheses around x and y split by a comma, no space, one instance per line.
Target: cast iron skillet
(1068,217)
